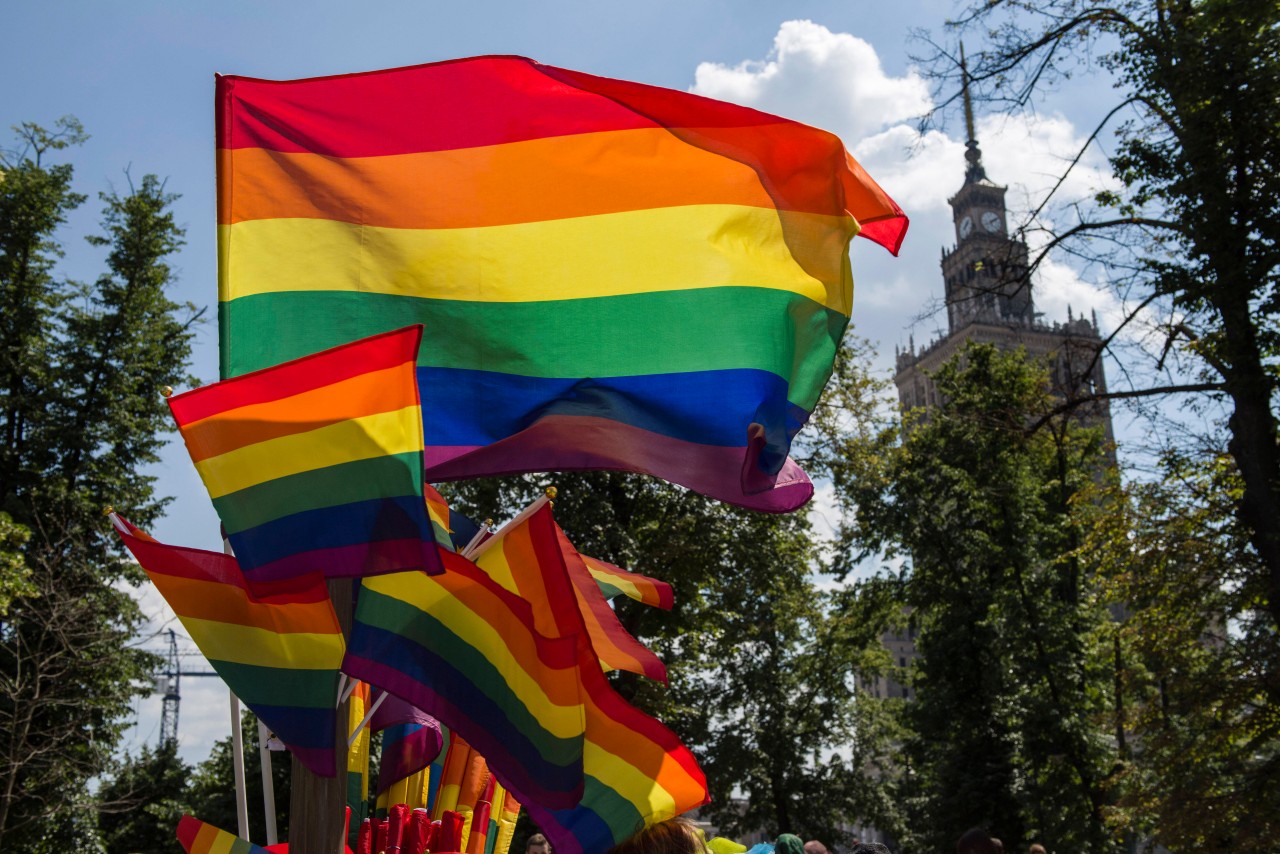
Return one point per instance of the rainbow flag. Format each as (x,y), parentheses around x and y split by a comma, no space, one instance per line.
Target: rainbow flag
(453,531)
(411,741)
(276,644)
(524,213)
(200,837)
(616,581)
(469,653)
(317,463)
(616,648)
(637,771)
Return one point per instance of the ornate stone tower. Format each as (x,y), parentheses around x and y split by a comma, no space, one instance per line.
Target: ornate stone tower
(988,299)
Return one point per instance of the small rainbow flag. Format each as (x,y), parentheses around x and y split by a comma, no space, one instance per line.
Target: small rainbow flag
(613,644)
(276,644)
(200,837)
(616,581)
(317,463)
(521,212)
(411,741)
(453,530)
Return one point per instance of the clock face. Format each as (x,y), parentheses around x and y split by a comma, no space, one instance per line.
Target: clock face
(991,222)
(966,226)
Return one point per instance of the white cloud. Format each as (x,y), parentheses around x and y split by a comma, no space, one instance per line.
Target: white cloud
(836,81)
(831,80)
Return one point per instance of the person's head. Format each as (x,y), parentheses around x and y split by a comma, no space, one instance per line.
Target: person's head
(537,844)
(976,841)
(673,836)
(1036,848)
(788,843)
(997,845)
(869,848)
(813,846)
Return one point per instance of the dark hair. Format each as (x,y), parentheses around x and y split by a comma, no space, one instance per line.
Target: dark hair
(976,841)
(673,836)
(869,848)
(536,839)
(1036,848)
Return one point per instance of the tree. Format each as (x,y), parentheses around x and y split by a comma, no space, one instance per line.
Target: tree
(1191,238)
(80,411)
(1007,685)
(139,807)
(212,797)
(1201,660)
(14,575)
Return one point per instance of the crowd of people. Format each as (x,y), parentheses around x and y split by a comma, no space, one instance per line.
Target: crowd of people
(682,836)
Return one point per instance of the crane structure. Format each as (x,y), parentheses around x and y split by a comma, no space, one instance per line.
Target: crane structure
(167,684)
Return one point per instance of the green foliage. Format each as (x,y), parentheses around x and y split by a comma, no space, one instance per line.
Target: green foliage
(1201,660)
(1192,233)
(212,793)
(80,413)
(14,575)
(139,807)
(1001,731)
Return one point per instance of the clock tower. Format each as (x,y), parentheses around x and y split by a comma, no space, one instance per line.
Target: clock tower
(987,283)
(986,272)
(988,298)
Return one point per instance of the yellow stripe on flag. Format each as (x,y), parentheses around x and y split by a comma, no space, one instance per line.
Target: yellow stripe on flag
(379,435)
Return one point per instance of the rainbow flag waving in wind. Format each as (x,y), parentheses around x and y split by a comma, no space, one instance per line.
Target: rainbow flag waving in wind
(612,275)
(276,644)
(316,464)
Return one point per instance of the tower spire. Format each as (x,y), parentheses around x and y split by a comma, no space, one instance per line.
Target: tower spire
(972,155)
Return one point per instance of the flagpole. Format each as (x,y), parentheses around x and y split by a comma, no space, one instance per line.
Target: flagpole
(237,743)
(237,762)
(368,716)
(472,554)
(268,785)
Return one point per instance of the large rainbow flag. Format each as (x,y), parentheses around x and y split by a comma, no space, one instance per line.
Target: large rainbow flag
(317,463)
(276,644)
(524,214)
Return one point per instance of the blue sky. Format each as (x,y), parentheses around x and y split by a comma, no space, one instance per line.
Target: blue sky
(139,75)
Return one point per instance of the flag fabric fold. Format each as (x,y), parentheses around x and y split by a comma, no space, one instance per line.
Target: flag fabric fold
(276,644)
(317,463)
(616,648)
(411,741)
(521,211)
